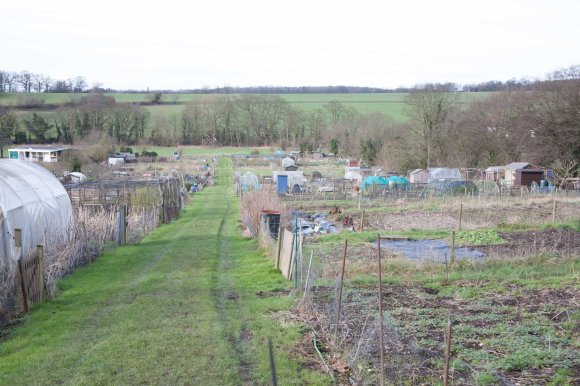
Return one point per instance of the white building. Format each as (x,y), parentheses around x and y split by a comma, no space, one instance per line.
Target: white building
(37,153)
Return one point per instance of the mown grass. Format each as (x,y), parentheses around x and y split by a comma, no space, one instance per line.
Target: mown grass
(178,308)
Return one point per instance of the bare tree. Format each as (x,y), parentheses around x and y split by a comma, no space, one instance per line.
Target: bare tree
(37,81)
(551,112)
(25,78)
(3,75)
(428,107)
(11,81)
(47,83)
(335,109)
(79,84)
(563,170)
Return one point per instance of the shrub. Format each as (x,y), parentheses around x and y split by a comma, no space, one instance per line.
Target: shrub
(254,202)
(98,153)
(126,149)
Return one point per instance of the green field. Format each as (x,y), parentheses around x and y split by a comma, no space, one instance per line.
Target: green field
(390,104)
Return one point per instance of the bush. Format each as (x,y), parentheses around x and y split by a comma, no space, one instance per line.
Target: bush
(97,153)
(126,149)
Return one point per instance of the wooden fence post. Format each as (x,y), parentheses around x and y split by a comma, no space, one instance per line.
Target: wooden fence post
(280,241)
(447,354)
(460,216)
(452,248)
(272,363)
(18,245)
(340,291)
(381,337)
(18,238)
(23,286)
(40,254)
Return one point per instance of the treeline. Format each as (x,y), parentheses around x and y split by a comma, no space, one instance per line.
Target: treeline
(93,117)
(27,82)
(538,124)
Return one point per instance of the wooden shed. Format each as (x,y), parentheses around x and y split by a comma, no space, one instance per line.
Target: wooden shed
(523,174)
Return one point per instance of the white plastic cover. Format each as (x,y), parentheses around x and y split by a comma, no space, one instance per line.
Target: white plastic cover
(445,173)
(34,200)
(287,162)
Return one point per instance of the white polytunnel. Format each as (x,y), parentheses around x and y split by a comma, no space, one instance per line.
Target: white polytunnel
(33,200)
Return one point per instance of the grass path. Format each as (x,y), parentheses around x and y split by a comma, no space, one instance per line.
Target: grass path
(178,308)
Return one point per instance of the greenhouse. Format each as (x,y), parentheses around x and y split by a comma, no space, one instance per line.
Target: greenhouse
(451,187)
(249,182)
(31,199)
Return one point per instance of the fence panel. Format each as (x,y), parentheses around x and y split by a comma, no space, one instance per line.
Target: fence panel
(32,278)
(286,264)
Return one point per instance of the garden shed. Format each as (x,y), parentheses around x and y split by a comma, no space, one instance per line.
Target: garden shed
(522,174)
(33,200)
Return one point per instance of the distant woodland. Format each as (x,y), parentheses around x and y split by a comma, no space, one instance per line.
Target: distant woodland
(535,121)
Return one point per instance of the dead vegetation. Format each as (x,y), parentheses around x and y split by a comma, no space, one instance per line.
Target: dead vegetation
(514,314)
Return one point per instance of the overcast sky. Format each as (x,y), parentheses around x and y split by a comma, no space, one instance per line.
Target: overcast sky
(171,44)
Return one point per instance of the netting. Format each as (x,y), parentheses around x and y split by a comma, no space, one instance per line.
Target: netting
(451,187)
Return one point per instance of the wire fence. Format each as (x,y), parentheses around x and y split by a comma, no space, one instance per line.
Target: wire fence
(345,317)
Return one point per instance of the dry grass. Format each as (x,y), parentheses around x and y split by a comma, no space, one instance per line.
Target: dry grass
(93,230)
(254,202)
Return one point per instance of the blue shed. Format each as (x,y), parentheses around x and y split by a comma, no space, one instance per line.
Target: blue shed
(282,184)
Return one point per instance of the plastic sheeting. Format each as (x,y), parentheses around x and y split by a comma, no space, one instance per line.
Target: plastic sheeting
(437,251)
(444,173)
(34,200)
(373,181)
(451,187)
(249,182)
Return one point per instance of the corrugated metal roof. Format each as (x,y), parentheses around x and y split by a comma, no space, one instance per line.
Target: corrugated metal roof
(516,165)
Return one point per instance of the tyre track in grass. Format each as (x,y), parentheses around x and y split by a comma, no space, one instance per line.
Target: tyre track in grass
(228,302)
(180,308)
(150,313)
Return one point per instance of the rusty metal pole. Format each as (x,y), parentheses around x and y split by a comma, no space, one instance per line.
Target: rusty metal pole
(381,337)
(447,354)
(340,291)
